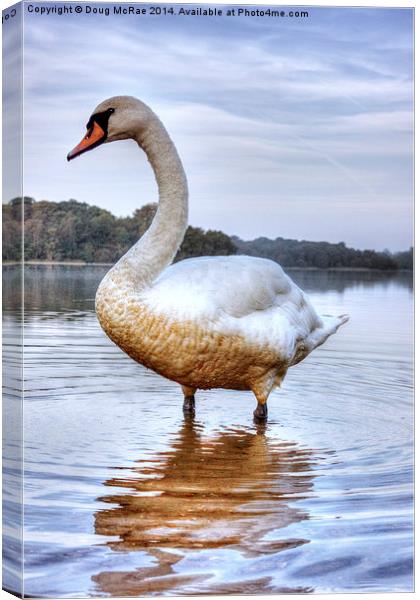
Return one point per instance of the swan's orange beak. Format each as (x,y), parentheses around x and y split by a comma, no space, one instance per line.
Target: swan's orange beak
(95,136)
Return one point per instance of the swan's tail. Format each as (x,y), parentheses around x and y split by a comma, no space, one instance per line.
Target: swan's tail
(330,326)
(334,323)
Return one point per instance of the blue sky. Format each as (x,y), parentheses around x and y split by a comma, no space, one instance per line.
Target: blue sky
(298,128)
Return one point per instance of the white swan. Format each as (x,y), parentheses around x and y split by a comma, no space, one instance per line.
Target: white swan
(234,322)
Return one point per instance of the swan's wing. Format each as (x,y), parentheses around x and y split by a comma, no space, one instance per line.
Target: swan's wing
(238,285)
(243,295)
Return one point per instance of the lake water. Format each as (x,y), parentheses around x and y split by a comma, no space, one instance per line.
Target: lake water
(125,497)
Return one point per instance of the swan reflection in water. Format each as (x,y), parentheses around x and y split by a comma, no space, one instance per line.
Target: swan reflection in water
(219,492)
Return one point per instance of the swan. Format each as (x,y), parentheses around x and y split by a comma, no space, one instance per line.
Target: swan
(232,322)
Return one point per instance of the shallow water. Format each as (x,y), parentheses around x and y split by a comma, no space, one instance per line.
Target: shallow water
(125,497)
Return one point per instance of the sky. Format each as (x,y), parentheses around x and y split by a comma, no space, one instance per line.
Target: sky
(295,128)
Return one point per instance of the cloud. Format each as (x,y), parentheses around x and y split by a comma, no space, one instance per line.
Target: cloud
(275,141)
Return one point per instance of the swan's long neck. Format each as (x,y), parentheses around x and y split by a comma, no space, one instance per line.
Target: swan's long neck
(155,250)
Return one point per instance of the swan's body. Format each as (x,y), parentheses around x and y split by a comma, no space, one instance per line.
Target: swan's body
(234,322)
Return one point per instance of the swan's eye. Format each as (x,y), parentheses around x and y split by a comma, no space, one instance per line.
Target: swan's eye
(101,119)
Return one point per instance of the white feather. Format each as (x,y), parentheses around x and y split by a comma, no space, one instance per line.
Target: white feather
(236,295)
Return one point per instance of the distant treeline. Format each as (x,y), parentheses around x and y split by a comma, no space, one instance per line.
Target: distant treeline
(323,255)
(71,230)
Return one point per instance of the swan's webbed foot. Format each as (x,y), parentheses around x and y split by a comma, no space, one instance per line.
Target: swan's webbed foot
(189,405)
(261,413)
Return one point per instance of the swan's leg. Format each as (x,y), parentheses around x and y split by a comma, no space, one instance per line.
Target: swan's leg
(189,399)
(262,390)
(261,412)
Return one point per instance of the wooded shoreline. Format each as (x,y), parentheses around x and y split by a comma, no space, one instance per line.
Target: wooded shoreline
(72,232)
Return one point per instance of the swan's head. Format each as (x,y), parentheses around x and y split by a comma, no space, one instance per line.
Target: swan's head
(118,118)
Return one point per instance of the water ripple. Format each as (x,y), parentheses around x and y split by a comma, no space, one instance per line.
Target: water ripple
(125,497)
